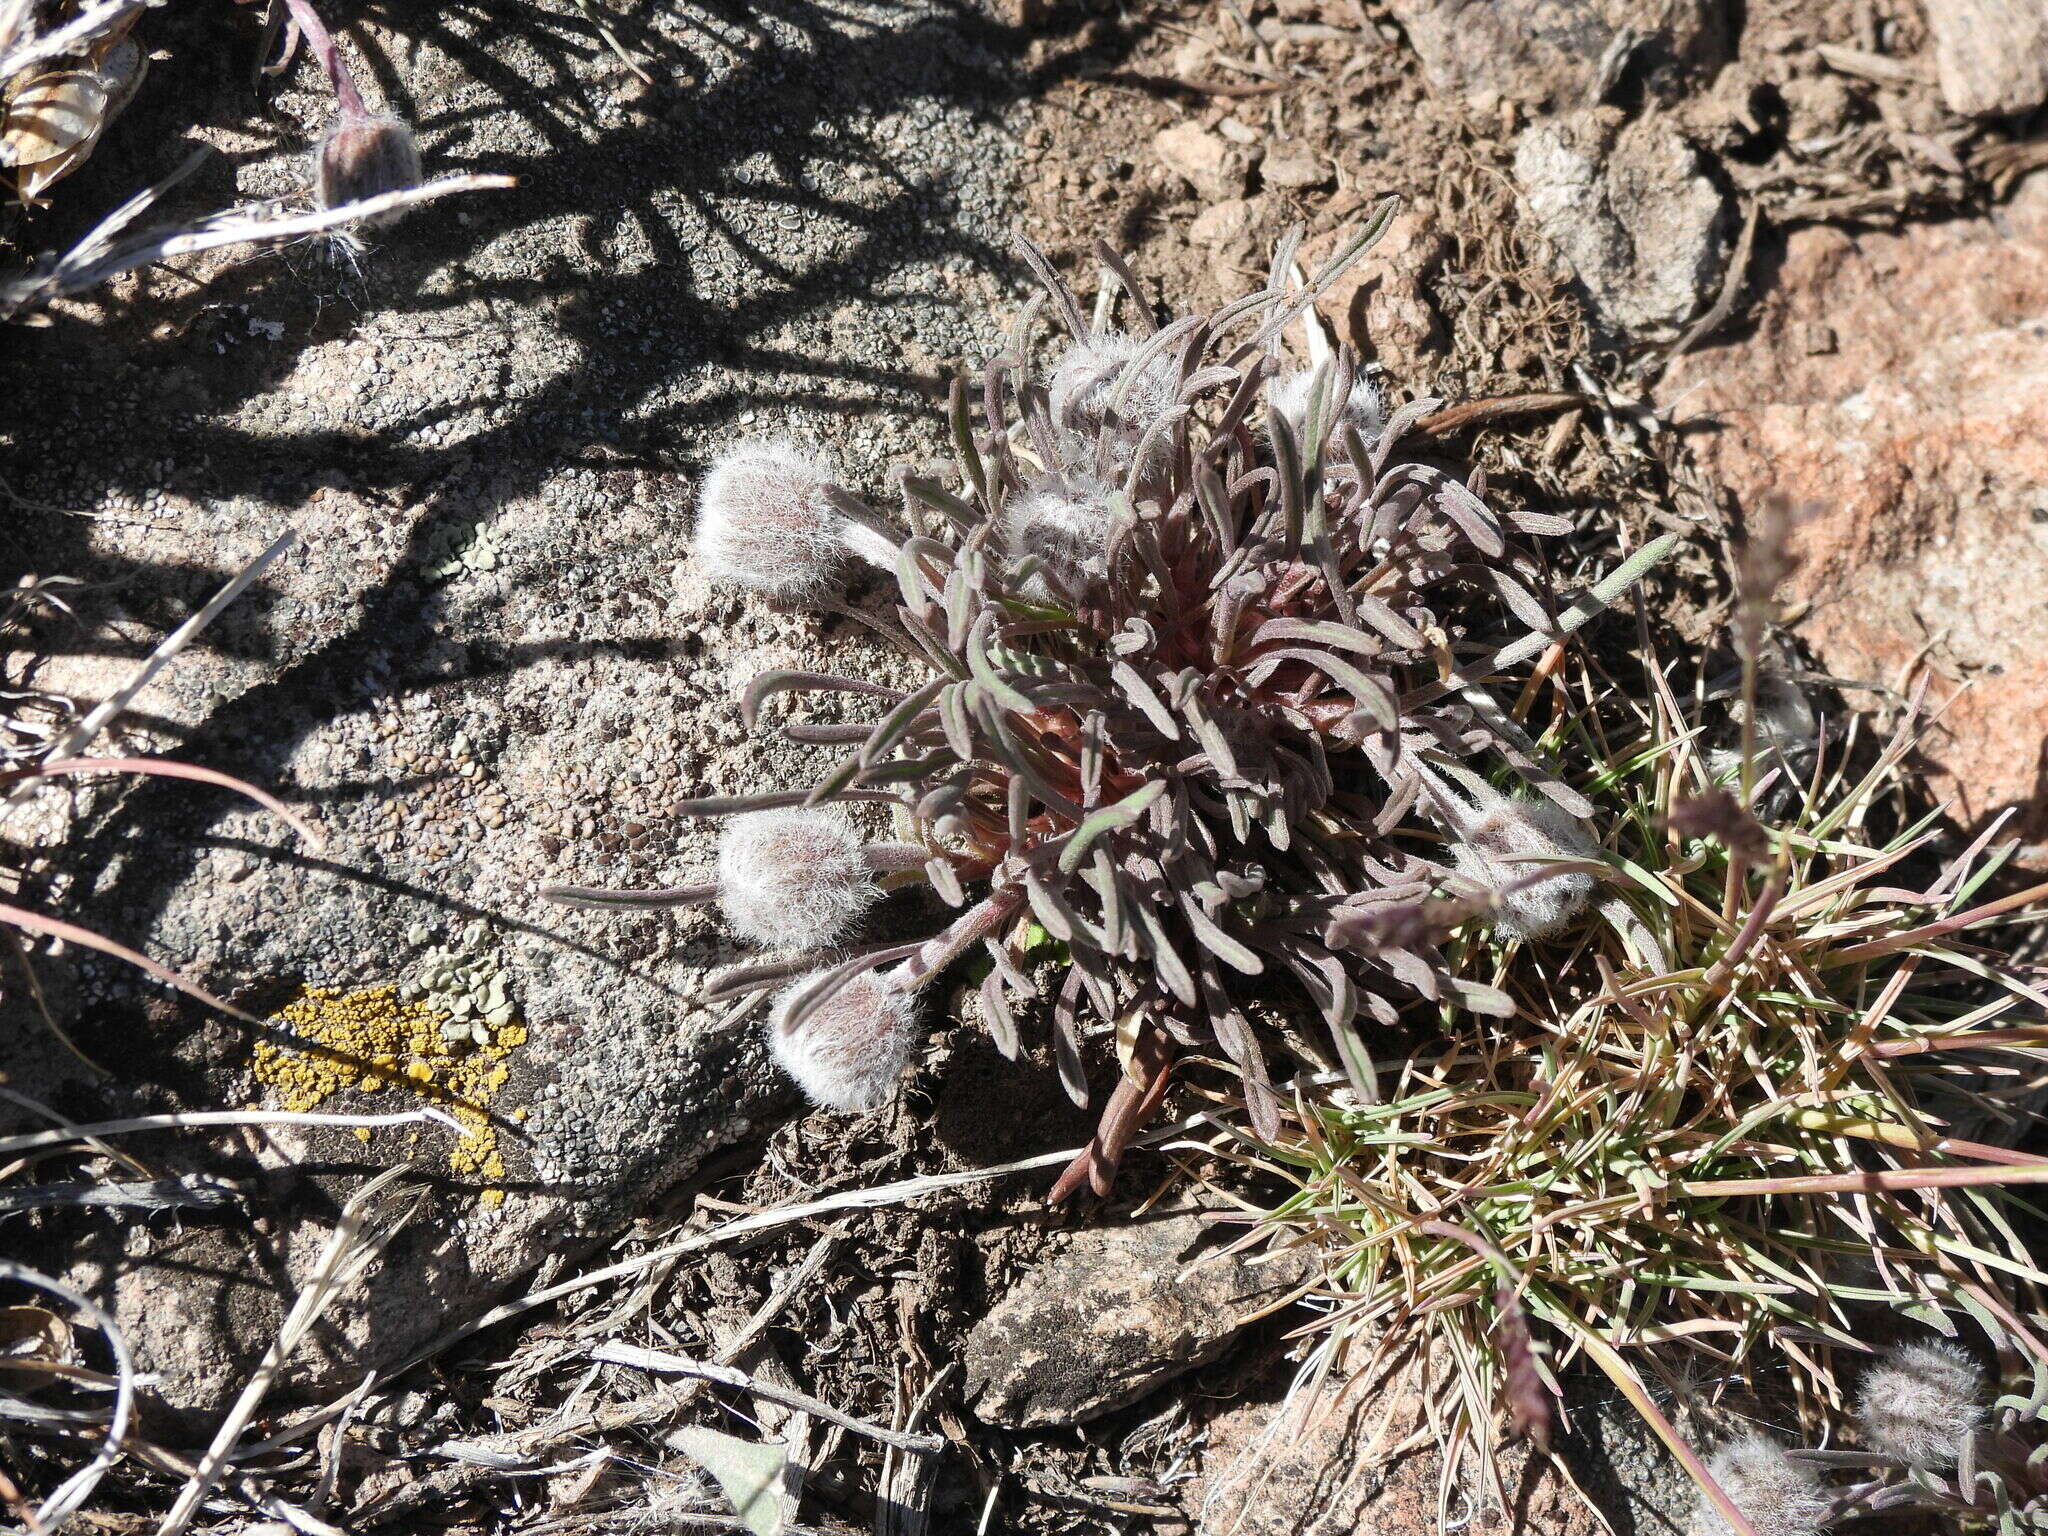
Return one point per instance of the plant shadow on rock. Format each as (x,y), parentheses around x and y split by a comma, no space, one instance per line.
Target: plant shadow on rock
(793,229)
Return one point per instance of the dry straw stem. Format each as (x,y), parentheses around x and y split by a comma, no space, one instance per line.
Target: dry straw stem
(661,1362)
(104,253)
(1685,1163)
(348,1255)
(14,1146)
(92,22)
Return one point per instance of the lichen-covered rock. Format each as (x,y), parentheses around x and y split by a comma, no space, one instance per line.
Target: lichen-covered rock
(1631,208)
(1123,1310)
(491,662)
(1549,52)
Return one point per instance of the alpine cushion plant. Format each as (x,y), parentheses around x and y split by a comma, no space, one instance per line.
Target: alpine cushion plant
(1207,651)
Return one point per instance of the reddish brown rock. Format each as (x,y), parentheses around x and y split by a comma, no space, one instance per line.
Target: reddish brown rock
(1381,305)
(1899,384)
(1361,1459)
(1213,166)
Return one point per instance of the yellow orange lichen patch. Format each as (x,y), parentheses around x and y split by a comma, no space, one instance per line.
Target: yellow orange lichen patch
(373,1039)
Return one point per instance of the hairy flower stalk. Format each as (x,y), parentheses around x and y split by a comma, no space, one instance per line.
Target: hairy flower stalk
(1357,407)
(1502,844)
(847,1052)
(1197,672)
(788,878)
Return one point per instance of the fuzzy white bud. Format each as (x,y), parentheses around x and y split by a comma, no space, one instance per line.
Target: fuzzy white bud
(1067,527)
(1922,1402)
(1786,734)
(793,878)
(849,1052)
(1083,389)
(1292,394)
(766,521)
(1777,1495)
(1502,849)
(364,157)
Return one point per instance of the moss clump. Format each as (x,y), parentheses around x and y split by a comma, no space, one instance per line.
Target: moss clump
(372,1039)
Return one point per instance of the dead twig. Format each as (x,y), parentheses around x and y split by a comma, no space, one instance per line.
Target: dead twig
(662,1362)
(1487,413)
(1731,292)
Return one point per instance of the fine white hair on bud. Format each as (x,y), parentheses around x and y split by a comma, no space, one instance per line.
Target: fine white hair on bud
(1786,736)
(1066,526)
(1777,1495)
(849,1051)
(767,521)
(793,878)
(1292,394)
(364,157)
(1922,1402)
(1083,390)
(1500,843)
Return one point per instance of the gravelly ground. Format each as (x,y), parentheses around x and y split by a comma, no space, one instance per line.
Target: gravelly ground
(489,664)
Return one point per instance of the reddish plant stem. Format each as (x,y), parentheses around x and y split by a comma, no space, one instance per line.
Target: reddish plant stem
(321,41)
(1132,1104)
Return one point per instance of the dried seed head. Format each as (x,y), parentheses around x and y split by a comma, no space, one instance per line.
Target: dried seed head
(1083,389)
(365,157)
(794,878)
(1502,849)
(1293,392)
(766,521)
(1066,526)
(1779,1496)
(1922,1402)
(849,1051)
(1718,814)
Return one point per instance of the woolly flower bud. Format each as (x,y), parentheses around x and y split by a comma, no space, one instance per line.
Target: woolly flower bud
(365,157)
(1293,393)
(1786,735)
(1066,526)
(792,879)
(766,521)
(1921,1403)
(1501,849)
(1084,386)
(850,1050)
(1779,1496)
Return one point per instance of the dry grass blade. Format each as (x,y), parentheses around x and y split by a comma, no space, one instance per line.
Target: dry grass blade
(81,735)
(13,1146)
(349,1252)
(661,1362)
(72,1493)
(101,255)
